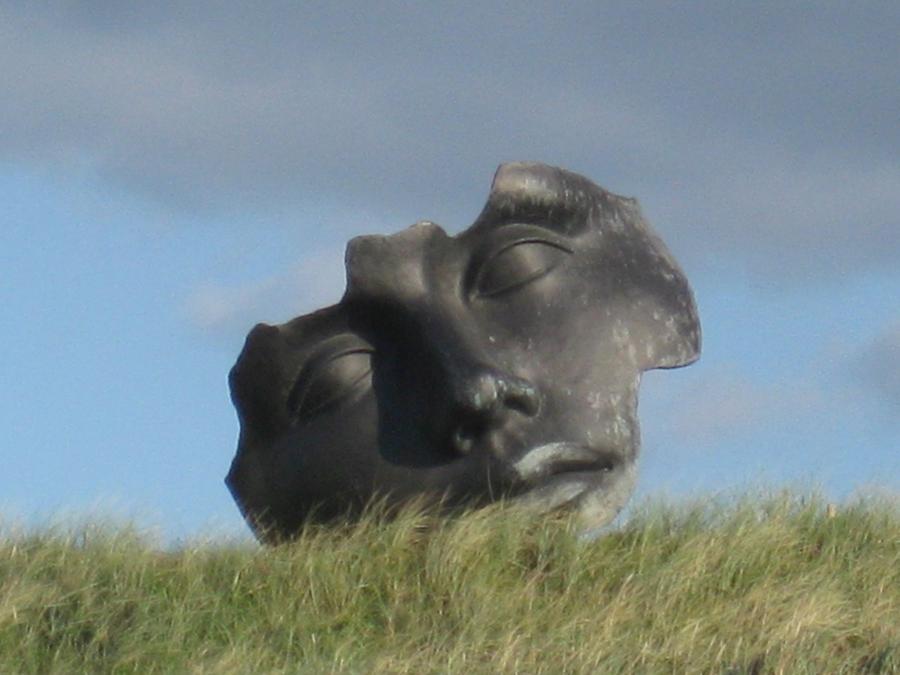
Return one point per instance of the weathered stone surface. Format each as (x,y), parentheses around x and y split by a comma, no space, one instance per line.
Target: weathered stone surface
(503,361)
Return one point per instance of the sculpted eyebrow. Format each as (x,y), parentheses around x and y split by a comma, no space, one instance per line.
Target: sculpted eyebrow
(561,207)
(492,238)
(489,234)
(328,346)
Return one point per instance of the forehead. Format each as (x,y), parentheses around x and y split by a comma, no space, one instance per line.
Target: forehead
(403,266)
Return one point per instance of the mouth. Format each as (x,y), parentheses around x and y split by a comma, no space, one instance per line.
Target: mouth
(557,474)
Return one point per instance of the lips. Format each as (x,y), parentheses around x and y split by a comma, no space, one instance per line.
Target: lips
(556,458)
(558,473)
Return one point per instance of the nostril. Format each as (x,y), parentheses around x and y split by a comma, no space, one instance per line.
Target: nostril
(489,393)
(485,402)
(521,396)
(464,437)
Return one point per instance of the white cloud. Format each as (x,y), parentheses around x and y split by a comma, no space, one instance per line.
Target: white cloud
(314,281)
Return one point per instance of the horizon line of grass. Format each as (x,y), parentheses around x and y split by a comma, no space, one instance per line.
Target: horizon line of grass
(751,584)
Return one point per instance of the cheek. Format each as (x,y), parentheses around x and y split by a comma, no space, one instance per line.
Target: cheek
(567,309)
(593,410)
(584,371)
(575,350)
(569,339)
(336,446)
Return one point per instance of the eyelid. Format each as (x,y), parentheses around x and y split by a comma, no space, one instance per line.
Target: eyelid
(528,240)
(521,234)
(331,350)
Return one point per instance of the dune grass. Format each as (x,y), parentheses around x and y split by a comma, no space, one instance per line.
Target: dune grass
(748,585)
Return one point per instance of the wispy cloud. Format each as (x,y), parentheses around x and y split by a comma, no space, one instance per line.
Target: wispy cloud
(721,404)
(314,282)
(877,365)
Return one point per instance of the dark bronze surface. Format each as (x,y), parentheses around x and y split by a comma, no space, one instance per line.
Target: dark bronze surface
(502,361)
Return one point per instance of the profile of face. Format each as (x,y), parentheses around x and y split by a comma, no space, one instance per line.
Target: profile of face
(502,362)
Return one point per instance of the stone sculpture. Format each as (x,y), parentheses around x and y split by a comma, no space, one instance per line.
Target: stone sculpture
(504,361)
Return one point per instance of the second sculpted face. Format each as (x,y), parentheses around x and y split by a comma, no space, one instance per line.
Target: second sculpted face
(504,361)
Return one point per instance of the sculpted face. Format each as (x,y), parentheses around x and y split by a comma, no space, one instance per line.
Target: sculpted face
(504,361)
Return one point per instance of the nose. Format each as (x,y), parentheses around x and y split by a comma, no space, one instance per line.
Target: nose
(482,400)
(406,276)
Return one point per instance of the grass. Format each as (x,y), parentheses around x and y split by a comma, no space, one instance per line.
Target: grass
(750,585)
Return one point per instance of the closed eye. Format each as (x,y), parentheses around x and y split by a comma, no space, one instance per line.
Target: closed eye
(326,382)
(517,265)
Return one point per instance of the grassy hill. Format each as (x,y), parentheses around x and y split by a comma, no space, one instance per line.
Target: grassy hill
(752,585)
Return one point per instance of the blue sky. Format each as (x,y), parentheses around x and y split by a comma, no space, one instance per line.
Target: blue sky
(171,174)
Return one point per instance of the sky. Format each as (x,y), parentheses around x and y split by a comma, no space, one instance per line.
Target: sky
(173,173)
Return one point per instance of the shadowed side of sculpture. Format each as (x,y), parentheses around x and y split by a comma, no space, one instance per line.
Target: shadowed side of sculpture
(504,361)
